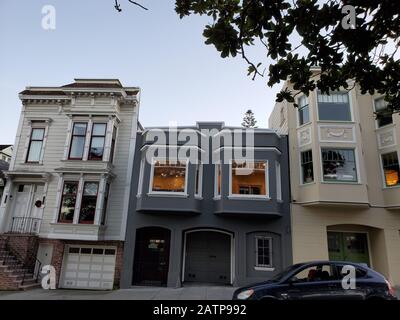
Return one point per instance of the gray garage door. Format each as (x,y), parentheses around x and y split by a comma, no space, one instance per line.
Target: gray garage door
(208,257)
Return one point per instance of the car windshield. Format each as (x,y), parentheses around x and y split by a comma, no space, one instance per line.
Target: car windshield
(284,273)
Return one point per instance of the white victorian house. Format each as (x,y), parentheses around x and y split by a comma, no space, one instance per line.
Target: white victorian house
(67,193)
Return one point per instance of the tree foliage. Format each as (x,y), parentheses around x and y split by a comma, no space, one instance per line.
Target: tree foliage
(249,121)
(365,52)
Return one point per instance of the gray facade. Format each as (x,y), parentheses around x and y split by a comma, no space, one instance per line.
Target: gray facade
(200,234)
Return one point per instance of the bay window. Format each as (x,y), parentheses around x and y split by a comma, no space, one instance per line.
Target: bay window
(339,165)
(169,176)
(88,203)
(68,202)
(35,145)
(304,110)
(384,117)
(334,106)
(391,169)
(307,170)
(78,141)
(97,141)
(249,178)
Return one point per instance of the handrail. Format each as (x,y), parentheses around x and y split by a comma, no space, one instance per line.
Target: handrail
(28,265)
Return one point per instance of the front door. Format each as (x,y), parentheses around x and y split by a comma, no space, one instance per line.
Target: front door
(348,246)
(151,256)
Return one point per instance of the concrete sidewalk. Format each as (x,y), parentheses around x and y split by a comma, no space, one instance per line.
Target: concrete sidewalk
(139,293)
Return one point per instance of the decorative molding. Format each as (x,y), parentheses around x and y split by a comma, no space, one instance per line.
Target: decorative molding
(337,133)
(386,138)
(304,136)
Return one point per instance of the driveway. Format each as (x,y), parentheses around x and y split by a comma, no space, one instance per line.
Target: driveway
(139,293)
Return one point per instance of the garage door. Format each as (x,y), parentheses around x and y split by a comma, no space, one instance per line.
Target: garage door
(89,268)
(208,257)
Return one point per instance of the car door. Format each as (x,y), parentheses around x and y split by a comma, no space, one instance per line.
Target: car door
(343,291)
(312,282)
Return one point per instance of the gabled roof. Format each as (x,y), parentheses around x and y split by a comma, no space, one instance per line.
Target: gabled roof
(5,146)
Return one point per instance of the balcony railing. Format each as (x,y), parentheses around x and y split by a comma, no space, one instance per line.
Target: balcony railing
(25,225)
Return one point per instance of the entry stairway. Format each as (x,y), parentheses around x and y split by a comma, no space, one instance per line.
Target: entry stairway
(14,273)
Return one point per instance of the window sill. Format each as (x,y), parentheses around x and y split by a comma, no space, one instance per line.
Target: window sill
(307,184)
(264,269)
(389,188)
(335,121)
(75,224)
(388,126)
(304,125)
(168,194)
(36,164)
(249,197)
(198,197)
(342,182)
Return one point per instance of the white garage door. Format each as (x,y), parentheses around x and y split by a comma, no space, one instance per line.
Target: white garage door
(88,268)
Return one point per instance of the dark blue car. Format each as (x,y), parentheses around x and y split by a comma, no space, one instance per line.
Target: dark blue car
(321,280)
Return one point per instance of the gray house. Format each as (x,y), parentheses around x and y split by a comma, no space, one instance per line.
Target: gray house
(209,204)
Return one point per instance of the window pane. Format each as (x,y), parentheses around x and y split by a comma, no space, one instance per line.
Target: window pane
(307,166)
(35,151)
(339,165)
(391,169)
(77,147)
(90,189)
(249,178)
(99,129)
(169,177)
(68,202)
(334,107)
(37,134)
(383,117)
(79,129)
(263,251)
(315,273)
(304,115)
(96,148)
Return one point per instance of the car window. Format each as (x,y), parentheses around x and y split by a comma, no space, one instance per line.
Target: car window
(360,273)
(315,273)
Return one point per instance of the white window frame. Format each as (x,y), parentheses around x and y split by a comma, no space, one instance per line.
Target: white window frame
(302,183)
(141,175)
(36,124)
(168,193)
(217,169)
(338,121)
(356,161)
(298,112)
(385,186)
(199,181)
(251,196)
(376,120)
(257,265)
(278,181)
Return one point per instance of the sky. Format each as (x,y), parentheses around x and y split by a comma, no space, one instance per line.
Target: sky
(182,79)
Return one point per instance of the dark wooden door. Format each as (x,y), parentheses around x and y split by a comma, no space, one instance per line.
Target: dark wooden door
(151,256)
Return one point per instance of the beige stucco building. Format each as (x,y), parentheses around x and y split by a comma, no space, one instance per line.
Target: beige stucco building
(344,178)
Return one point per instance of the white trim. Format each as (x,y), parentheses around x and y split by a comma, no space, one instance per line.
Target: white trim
(81,185)
(301,175)
(199,181)
(278,181)
(169,193)
(232,267)
(265,196)
(270,266)
(60,187)
(216,173)
(141,174)
(350,106)
(356,160)
(352,127)
(274,149)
